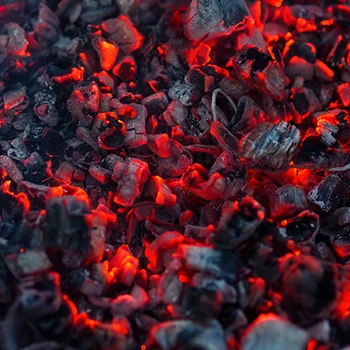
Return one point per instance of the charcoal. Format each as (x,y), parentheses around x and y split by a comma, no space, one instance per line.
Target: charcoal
(45,107)
(207,20)
(187,334)
(247,117)
(123,33)
(234,88)
(237,224)
(184,93)
(270,147)
(109,130)
(107,52)
(203,259)
(272,332)
(340,217)
(303,278)
(8,165)
(328,194)
(300,228)
(287,200)
(14,38)
(125,68)
(260,72)
(130,176)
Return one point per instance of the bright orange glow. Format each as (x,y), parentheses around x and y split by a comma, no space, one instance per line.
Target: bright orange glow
(108,52)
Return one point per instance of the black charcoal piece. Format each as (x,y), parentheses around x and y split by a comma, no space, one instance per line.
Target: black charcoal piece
(328,193)
(237,224)
(300,228)
(287,200)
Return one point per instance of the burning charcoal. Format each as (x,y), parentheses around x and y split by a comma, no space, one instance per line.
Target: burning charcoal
(109,130)
(315,153)
(13,40)
(204,259)
(177,163)
(136,127)
(175,114)
(83,100)
(272,332)
(7,164)
(92,334)
(108,52)
(287,200)
(233,88)
(125,69)
(122,32)
(46,27)
(161,250)
(300,228)
(156,103)
(73,235)
(304,278)
(44,108)
(247,117)
(260,72)
(237,224)
(130,176)
(172,334)
(184,93)
(270,147)
(15,100)
(125,264)
(126,304)
(28,263)
(205,21)
(328,194)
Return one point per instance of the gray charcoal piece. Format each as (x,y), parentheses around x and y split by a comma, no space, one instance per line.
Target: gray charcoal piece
(219,263)
(273,333)
(287,200)
(328,193)
(28,263)
(270,147)
(208,19)
(207,335)
(184,93)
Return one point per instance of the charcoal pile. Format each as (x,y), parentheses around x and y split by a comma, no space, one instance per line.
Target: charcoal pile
(174,174)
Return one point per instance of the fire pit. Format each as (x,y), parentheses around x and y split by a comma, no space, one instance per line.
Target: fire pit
(174,174)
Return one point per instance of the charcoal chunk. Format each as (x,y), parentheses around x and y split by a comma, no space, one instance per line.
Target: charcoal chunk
(287,200)
(300,228)
(206,19)
(237,224)
(328,193)
(190,335)
(274,333)
(204,259)
(270,147)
